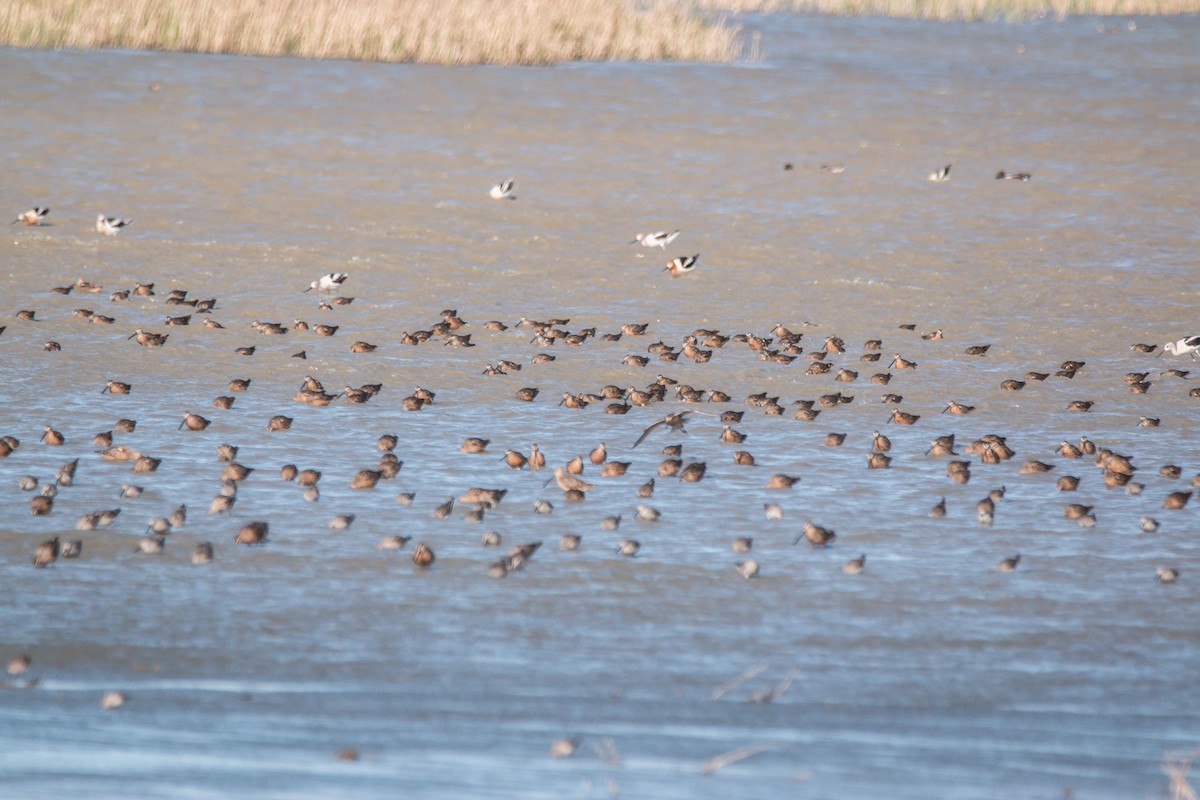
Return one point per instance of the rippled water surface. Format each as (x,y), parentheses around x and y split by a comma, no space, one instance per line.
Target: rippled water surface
(931,674)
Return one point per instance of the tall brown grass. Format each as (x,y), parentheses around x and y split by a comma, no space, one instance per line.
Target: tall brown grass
(973,10)
(423,31)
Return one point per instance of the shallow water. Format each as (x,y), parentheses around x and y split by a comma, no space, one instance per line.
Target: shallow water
(929,675)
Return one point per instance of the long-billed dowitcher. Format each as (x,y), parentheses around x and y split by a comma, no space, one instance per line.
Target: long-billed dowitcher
(816,535)
(855,565)
(422,555)
(252,533)
(939,509)
(1166,574)
(46,553)
(1009,564)
(748,568)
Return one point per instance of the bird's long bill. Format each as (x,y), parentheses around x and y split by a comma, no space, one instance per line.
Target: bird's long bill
(181,424)
(130,336)
(889,419)
(309,289)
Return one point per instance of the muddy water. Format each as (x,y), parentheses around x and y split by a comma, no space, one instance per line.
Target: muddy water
(931,674)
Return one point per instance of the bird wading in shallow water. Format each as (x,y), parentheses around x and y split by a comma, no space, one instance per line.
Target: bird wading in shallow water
(328,283)
(681,265)
(1188,345)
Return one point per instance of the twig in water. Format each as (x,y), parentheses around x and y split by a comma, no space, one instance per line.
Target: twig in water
(725,759)
(1177,765)
(745,675)
(770,694)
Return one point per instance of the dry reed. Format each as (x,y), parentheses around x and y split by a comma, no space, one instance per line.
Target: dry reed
(970,10)
(422,31)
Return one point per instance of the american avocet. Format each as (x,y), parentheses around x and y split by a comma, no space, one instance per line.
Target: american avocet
(1188,345)
(327,283)
(110,226)
(503,190)
(678,266)
(660,239)
(33,216)
(940,176)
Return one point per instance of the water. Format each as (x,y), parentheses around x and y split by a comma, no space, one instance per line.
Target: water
(929,675)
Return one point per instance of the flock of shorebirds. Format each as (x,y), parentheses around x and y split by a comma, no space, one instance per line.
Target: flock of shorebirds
(779,345)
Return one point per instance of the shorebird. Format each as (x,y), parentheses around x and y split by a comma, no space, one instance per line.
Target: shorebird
(504,190)
(940,176)
(1188,345)
(110,226)
(148,339)
(675,421)
(1009,564)
(34,216)
(328,283)
(816,535)
(682,264)
(660,239)
(203,554)
(856,565)
(1013,176)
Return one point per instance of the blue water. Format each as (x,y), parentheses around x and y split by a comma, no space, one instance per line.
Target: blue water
(931,674)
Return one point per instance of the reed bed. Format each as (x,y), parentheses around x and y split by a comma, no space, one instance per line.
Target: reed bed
(969,10)
(420,31)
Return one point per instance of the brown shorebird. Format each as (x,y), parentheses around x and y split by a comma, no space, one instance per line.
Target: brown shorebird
(1067,483)
(855,565)
(568,482)
(694,472)
(599,454)
(614,469)
(816,535)
(1009,564)
(252,533)
(903,418)
(148,339)
(365,479)
(203,553)
(514,459)
(536,459)
(422,555)
(781,482)
(743,458)
(474,445)
(46,553)
(675,421)
(194,422)
(52,437)
(1167,574)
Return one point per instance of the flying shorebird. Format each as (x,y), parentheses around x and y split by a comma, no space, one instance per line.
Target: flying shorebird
(940,176)
(682,264)
(1188,345)
(660,239)
(503,190)
(109,226)
(327,283)
(33,216)
(675,421)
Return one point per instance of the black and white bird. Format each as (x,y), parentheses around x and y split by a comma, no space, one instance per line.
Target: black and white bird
(503,190)
(33,216)
(1188,345)
(660,239)
(109,226)
(940,176)
(678,266)
(327,283)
